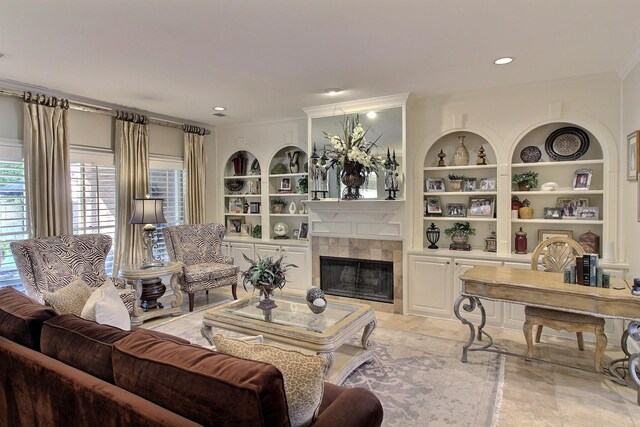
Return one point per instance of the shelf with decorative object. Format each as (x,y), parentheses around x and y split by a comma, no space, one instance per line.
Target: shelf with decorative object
(242,182)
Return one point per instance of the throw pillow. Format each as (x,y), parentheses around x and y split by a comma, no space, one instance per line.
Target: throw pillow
(69,299)
(89,309)
(110,310)
(303,374)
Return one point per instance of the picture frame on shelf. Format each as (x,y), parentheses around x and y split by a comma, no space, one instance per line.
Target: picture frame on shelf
(633,149)
(582,179)
(296,233)
(488,184)
(254,207)
(245,230)
(236,205)
(481,206)
(456,209)
(469,184)
(570,206)
(285,184)
(434,184)
(544,234)
(553,213)
(303,234)
(234,225)
(433,206)
(588,212)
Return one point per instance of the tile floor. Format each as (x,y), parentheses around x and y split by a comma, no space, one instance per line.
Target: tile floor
(534,393)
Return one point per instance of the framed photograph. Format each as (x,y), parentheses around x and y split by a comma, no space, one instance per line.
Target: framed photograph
(285,184)
(544,234)
(488,184)
(587,213)
(303,234)
(434,184)
(469,184)
(236,204)
(553,213)
(434,207)
(456,209)
(296,233)
(245,230)
(254,207)
(570,206)
(234,224)
(582,179)
(481,206)
(632,155)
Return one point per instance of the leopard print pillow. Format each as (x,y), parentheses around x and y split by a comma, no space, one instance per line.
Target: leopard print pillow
(303,374)
(69,299)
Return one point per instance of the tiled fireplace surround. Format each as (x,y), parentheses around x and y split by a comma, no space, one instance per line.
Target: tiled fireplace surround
(368,249)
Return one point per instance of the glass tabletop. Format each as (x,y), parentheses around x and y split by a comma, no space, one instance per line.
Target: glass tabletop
(292,311)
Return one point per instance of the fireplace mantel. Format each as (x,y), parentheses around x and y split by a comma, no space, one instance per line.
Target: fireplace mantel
(377,209)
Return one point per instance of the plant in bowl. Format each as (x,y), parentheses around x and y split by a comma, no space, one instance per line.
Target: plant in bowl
(278,205)
(456,181)
(460,232)
(266,274)
(303,185)
(526,181)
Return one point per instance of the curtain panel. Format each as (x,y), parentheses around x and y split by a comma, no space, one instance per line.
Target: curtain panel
(47,166)
(132,177)
(195,162)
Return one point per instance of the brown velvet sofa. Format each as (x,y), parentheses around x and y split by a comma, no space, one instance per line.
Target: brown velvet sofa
(61,370)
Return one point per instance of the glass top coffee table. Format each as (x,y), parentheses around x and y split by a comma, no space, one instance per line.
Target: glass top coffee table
(293,323)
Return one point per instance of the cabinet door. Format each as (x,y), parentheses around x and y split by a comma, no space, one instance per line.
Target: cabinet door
(430,289)
(514,313)
(296,277)
(492,309)
(235,251)
(268,250)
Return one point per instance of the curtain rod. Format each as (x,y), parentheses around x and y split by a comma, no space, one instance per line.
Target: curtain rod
(75,105)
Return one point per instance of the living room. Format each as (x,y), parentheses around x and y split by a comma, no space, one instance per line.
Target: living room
(503,109)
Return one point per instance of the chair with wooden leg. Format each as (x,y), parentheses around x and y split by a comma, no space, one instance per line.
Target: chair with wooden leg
(556,254)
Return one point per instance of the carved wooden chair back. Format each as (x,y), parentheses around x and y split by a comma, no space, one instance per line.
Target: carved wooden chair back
(557,254)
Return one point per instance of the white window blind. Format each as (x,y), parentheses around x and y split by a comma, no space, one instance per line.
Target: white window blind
(13,218)
(93,194)
(168,184)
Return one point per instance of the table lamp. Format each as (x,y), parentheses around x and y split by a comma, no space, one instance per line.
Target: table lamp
(149,212)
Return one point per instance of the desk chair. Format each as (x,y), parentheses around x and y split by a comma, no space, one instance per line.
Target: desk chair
(556,254)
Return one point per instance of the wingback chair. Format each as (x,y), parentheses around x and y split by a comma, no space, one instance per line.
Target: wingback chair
(199,248)
(51,263)
(556,254)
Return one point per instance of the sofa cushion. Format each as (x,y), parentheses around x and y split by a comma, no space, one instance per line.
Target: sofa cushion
(21,318)
(69,299)
(208,387)
(303,374)
(110,310)
(89,309)
(208,271)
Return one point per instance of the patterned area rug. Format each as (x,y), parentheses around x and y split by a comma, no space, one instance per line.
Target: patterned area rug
(418,378)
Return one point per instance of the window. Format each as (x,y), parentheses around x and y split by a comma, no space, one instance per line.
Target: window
(13,219)
(93,195)
(167,184)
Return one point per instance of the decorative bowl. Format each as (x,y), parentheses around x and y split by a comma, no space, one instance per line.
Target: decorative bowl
(234,185)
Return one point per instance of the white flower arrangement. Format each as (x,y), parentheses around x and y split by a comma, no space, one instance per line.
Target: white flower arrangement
(353,146)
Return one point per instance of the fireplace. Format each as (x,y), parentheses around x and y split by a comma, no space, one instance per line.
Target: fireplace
(357,278)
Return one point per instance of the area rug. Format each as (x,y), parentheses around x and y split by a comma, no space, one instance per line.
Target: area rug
(418,378)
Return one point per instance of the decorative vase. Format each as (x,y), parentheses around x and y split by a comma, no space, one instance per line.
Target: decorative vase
(456,184)
(459,238)
(521,242)
(292,207)
(525,212)
(239,164)
(433,235)
(461,155)
(266,303)
(352,177)
(294,166)
(278,209)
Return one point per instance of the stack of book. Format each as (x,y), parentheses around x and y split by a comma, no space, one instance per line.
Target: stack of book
(587,273)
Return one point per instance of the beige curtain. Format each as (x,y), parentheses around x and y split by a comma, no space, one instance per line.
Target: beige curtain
(132,177)
(47,166)
(195,162)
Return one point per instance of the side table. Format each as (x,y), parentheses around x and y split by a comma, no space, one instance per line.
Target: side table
(148,288)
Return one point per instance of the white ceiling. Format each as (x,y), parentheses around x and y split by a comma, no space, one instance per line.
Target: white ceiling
(268,59)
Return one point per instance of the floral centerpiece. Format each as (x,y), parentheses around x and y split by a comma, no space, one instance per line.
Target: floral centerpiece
(266,275)
(355,155)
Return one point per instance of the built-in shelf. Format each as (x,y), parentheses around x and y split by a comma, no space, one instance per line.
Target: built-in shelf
(460,193)
(557,221)
(459,219)
(453,168)
(561,191)
(556,164)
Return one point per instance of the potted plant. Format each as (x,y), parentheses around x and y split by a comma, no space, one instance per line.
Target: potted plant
(266,275)
(278,205)
(460,232)
(526,181)
(455,181)
(303,185)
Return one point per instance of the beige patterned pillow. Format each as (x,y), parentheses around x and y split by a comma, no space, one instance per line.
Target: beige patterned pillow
(69,299)
(303,374)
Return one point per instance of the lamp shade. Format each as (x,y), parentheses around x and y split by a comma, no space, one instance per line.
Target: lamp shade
(147,211)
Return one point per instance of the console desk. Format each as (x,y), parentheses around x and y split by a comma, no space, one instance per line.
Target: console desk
(547,290)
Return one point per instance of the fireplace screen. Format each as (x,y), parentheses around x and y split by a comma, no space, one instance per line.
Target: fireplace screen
(357,278)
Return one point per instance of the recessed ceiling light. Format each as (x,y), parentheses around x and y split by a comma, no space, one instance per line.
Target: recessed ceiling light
(220,108)
(503,61)
(372,114)
(332,91)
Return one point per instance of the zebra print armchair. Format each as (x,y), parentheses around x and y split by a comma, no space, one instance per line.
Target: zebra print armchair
(199,248)
(51,263)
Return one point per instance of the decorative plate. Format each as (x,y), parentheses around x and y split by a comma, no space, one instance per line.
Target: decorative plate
(568,143)
(234,185)
(530,154)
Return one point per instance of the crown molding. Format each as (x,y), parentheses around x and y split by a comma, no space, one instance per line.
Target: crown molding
(358,106)
(630,62)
